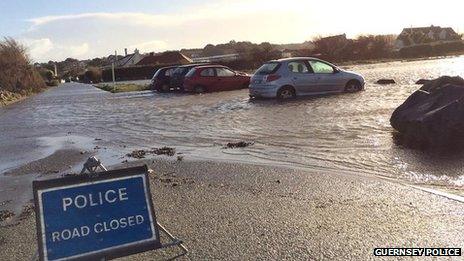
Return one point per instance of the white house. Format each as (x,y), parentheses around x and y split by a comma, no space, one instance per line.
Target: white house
(423,35)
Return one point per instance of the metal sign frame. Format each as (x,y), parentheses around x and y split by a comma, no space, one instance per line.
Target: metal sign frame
(111,252)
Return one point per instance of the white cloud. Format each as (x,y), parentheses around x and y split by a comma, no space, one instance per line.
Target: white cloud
(38,47)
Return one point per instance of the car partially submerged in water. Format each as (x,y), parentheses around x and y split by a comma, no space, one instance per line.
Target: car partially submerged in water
(178,75)
(161,80)
(291,77)
(214,78)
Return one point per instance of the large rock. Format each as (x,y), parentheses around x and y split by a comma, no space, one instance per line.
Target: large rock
(433,115)
(385,81)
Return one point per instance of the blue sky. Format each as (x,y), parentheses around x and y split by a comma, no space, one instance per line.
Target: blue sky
(15,13)
(55,30)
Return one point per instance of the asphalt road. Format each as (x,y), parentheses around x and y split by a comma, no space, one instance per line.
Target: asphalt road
(233,211)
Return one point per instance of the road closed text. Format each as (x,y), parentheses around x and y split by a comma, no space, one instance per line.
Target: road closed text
(97,228)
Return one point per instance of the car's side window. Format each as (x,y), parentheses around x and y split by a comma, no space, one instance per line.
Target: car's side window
(298,67)
(207,72)
(223,72)
(320,67)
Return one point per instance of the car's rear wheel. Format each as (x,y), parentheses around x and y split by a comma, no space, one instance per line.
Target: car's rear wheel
(353,86)
(200,89)
(164,88)
(286,92)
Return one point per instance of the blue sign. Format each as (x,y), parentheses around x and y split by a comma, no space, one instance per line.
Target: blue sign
(104,217)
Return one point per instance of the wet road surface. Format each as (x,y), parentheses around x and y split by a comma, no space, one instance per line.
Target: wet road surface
(349,132)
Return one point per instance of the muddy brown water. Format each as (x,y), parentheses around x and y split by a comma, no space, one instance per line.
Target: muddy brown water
(347,132)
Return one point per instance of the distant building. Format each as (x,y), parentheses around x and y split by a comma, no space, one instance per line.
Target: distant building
(423,35)
(166,58)
(130,59)
(335,38)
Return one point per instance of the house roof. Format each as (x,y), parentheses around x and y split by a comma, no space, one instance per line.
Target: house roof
(425,30)
(338,37)
(165,58)
(125,59)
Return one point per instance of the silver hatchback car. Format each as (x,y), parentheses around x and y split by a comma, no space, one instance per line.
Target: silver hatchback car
(290,77)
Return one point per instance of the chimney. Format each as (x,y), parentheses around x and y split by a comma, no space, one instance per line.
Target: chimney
(125,51)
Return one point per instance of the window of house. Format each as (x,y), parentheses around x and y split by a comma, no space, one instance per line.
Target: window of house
(320,67)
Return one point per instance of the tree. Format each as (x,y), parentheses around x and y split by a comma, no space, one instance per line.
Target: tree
(17,74)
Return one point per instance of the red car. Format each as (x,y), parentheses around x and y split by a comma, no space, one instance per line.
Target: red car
(214,78)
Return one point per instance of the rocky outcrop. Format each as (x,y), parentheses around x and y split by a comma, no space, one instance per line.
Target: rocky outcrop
(386,81)
(433,115)
(422,81)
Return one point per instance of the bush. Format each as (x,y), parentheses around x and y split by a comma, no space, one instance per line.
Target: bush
(54,82)
(427,50)
(17,74)
(92,75)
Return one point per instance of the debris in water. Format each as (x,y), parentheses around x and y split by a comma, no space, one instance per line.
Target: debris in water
(27,211)
(5,215)
(138,154)
(6,202)
(180,158)
(164,151)
(240,144)
(386,81)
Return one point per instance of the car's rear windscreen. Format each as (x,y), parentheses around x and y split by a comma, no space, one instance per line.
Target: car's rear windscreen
(268,68)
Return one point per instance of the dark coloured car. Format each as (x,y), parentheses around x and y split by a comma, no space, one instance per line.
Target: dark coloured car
(214,78)
(177,77)
(161,79)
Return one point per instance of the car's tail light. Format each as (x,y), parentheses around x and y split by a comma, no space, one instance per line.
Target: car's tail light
(272,77)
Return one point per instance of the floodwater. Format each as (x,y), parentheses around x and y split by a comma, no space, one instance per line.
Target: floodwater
(346,132)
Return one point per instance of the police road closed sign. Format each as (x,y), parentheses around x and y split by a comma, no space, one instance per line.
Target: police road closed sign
(95,218)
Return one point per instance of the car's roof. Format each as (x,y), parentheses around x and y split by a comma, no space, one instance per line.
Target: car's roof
(168,67)
(291,59)
(211,66)
(192,65)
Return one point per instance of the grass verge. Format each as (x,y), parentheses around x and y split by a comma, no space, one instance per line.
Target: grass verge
(124,87)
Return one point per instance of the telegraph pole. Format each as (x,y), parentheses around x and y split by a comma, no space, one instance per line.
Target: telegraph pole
(112,70)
